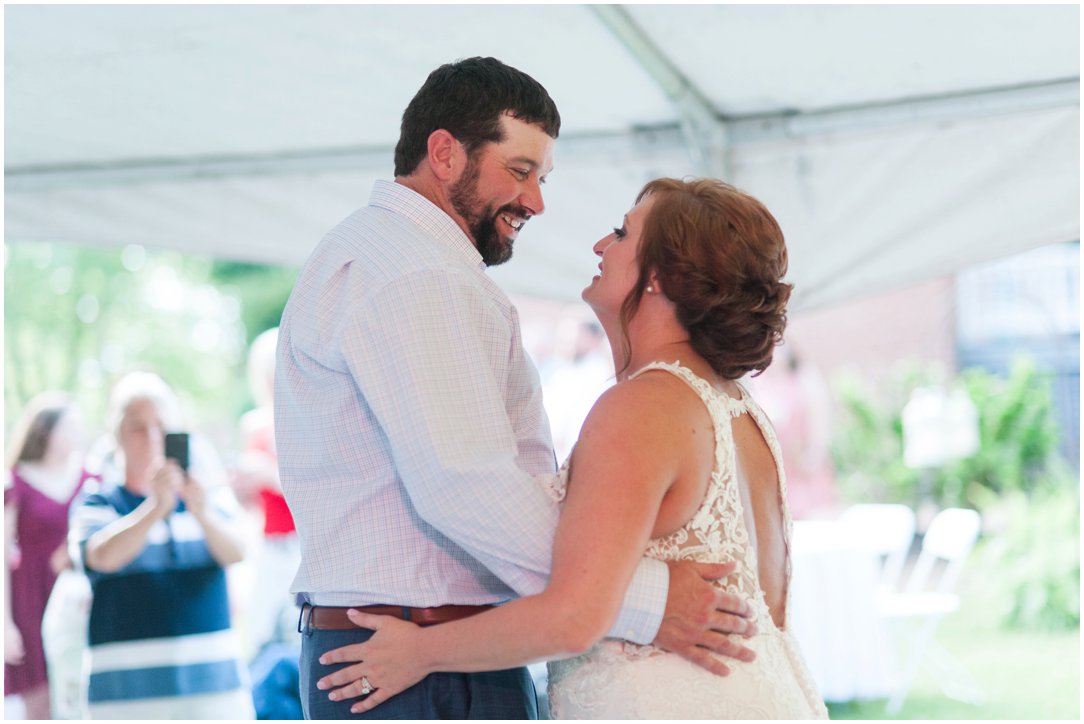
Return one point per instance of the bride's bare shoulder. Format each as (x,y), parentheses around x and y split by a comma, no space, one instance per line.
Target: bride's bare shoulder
(645,407)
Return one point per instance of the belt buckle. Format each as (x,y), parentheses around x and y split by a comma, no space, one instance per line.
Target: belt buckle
(305,608)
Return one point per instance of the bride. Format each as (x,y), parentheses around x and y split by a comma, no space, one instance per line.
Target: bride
(676,460)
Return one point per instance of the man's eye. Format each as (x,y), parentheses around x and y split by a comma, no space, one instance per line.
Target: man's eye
(521,174)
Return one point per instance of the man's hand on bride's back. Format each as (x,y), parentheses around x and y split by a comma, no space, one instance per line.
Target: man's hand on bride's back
(699,616)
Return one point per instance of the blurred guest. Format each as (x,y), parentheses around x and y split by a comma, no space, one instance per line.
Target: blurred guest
(45,460)
(154,541)
(64,636)
(796,398)
(571,390)
(272,611)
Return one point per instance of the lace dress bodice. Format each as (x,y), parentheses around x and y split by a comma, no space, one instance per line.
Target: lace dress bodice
(618,679)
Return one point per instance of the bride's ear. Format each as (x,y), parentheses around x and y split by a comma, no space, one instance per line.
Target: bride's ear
(653,286)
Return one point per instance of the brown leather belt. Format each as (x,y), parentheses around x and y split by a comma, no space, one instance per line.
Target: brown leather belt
(334,618)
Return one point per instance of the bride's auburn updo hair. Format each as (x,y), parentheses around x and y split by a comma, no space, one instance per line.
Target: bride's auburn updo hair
(720,257)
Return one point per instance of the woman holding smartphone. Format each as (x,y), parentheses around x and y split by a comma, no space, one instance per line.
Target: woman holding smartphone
(154,541)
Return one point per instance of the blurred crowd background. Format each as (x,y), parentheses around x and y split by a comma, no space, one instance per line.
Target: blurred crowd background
(987,358)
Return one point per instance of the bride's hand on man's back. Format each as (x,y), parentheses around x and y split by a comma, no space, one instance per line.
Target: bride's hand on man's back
(378,669)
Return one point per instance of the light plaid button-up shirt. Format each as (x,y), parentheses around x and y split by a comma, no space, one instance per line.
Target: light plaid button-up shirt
(409,424)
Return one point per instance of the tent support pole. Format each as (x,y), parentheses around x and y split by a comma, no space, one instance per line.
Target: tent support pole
(705,133)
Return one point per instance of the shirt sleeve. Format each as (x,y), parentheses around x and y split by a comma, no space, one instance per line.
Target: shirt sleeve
(89,515)
(437,381)
(176,543)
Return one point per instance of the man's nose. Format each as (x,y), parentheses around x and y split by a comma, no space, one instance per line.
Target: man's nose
(531,199)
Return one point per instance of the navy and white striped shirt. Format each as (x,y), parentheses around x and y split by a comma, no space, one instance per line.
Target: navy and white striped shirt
(160,635)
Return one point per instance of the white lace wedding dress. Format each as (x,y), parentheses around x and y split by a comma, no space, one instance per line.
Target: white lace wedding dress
(620,680)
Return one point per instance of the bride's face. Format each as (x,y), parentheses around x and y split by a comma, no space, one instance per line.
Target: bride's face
(618,270)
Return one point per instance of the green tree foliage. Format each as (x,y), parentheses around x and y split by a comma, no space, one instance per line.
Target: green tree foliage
(868,442)
(1030,554)
(1018,436)
(262,289)
(1032,565)
(77,317)
(1017,432)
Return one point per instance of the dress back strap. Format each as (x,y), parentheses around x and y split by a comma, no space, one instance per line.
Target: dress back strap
(683,373)
(702,387)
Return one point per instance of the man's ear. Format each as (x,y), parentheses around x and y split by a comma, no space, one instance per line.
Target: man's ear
(445,154)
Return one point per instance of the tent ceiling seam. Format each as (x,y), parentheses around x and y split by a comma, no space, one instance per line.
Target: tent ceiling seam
(661,139)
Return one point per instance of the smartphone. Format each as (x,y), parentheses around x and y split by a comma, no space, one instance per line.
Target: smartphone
(177,448)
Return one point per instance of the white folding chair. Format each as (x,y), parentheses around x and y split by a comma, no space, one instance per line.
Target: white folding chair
(887,530)
(928,595)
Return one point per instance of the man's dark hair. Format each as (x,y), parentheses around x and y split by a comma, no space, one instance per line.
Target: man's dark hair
(467,98)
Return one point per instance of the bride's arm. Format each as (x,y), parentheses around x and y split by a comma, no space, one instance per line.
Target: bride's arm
(625,461)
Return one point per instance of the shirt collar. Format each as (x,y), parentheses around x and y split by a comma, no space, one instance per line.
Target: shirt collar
(399,199)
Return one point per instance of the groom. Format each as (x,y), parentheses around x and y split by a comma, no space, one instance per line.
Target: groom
(409,419)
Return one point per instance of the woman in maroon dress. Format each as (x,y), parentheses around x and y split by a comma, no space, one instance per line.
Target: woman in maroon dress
(45,460)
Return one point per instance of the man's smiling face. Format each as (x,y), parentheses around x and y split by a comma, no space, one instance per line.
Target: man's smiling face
(501,188)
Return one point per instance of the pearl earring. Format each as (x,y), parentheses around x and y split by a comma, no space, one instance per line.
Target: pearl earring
(650,289)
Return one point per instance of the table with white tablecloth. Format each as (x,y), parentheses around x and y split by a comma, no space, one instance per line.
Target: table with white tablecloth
(833,612)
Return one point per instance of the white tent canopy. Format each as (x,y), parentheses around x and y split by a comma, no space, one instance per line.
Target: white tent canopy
(893,143)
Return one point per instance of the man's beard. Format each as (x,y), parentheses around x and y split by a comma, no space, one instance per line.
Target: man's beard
(482,220)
